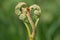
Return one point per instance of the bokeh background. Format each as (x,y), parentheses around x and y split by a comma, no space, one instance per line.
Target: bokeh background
(11,28)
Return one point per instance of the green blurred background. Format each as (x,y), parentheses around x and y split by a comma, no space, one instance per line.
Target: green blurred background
(11,28)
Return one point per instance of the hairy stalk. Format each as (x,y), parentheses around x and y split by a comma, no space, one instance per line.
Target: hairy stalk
(27,27)
(32,36)
(36,22)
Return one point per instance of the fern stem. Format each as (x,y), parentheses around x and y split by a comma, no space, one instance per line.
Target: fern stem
(28,30)
(32,37)
(36,22)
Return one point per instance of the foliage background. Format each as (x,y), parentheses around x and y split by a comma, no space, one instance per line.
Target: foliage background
(11,28)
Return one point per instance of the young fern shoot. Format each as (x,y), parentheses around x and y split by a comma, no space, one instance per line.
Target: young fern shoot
(24,14)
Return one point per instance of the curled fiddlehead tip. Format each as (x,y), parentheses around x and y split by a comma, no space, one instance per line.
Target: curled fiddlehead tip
(20,10)
(37,9)
(36,12)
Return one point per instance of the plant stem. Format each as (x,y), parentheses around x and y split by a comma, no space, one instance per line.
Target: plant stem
(36,22)
(28,30)
(32,37)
